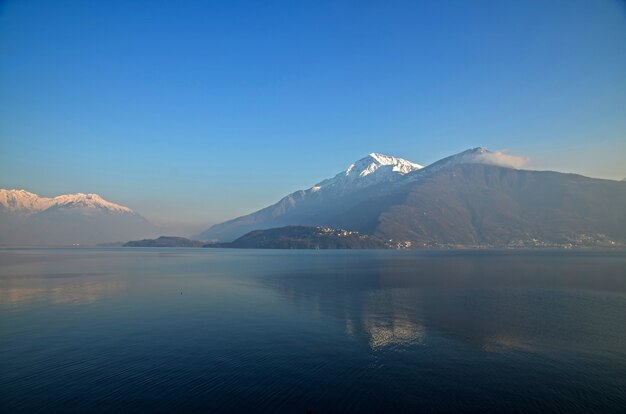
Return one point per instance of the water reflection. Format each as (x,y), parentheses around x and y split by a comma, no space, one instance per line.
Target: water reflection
(266,331)
(492,303)
(388,323)
(84,292)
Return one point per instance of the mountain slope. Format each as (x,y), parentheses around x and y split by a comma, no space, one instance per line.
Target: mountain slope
(85,219)
(475,204)
(310,207)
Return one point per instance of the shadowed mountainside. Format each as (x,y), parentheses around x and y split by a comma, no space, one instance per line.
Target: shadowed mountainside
(473,204)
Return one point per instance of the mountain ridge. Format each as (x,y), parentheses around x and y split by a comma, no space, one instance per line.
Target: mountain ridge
(478,190)
(20,200)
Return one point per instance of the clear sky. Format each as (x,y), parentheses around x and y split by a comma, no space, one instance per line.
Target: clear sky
(198,111)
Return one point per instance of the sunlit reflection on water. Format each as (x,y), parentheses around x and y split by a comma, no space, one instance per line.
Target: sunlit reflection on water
(67,293)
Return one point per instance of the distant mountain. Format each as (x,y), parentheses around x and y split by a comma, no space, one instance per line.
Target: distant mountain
(165,241)
(302,237)
(84,219)
(22,201)
(474,198)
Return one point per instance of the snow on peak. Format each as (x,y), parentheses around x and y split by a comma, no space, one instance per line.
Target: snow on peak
(372,169)
(374,161)
(88,201)
(26,202)
(23,201)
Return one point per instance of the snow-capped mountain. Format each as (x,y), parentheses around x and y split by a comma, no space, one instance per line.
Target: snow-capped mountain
(305,206)
(88,201)
(371,170)
(26,202)
(28,219)
(23,201)
(476,197)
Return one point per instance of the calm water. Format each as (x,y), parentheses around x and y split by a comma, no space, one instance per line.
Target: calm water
(210,330)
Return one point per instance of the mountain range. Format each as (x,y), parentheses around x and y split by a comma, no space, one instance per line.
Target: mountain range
(475,198)
(27,219)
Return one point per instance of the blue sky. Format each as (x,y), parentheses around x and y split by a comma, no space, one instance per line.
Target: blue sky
(198,111)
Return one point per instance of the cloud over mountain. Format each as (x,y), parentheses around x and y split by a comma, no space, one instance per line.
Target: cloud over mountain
(500,159)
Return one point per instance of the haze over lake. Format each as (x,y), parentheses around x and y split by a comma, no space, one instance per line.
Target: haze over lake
(215,330)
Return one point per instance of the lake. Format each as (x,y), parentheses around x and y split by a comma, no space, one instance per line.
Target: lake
(217,330)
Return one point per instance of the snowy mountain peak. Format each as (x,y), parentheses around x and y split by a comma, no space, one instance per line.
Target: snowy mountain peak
(88,201)
(373,169)
(23,201)
(374,161)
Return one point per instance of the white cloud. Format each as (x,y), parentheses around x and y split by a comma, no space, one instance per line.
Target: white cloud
(501,159)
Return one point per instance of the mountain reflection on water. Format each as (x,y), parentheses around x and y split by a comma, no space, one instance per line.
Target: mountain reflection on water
(510,300)
(219,330)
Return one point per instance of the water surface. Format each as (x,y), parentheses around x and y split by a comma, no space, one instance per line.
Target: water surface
(212,330)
